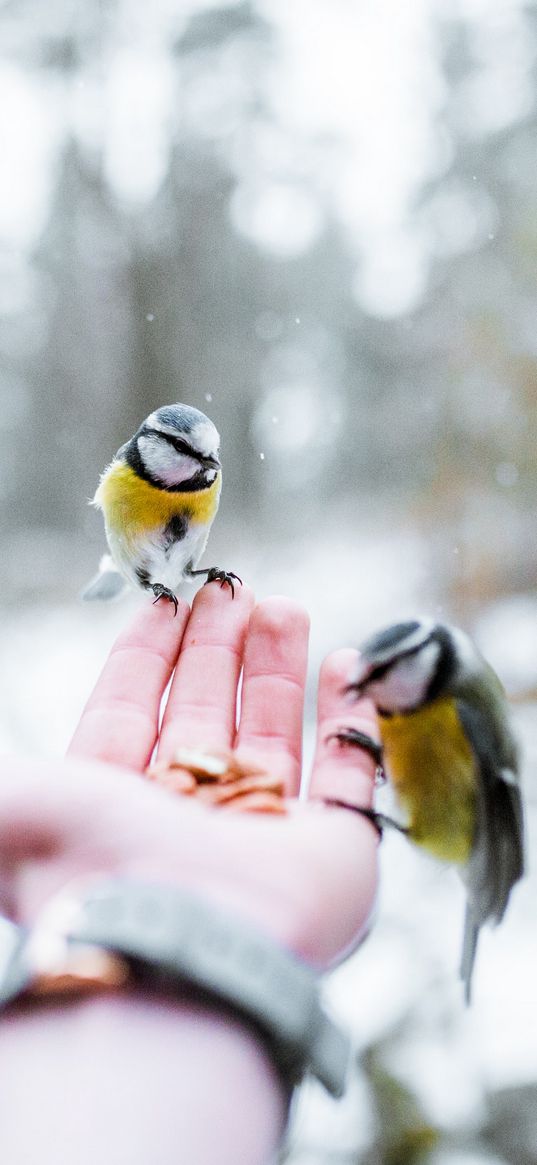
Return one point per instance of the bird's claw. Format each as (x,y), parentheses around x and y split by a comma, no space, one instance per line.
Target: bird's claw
(379,820)
(162,592)
(370,814)
(224,577)
(358,739)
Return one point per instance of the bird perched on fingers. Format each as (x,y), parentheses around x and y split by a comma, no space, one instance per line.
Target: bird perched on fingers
(449,750)
(159,497)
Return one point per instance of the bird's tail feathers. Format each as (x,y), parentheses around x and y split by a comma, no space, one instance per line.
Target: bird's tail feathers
(469,948)
(107,584)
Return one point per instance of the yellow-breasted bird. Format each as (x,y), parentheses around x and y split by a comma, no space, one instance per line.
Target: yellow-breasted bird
(450,753)
(159,497)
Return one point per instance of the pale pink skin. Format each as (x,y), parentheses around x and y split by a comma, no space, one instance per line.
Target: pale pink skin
(133,1079)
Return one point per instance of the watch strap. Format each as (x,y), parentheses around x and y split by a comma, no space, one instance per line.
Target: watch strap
(174,939)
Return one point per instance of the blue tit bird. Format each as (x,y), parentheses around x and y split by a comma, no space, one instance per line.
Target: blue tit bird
(448,748)
(159,497)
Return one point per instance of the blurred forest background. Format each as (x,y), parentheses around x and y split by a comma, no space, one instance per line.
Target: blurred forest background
(317,222)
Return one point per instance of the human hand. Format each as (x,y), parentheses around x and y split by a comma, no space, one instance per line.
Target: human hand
(307,878)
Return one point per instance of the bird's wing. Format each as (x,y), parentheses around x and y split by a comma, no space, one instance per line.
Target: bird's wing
(497,859)
(108,583)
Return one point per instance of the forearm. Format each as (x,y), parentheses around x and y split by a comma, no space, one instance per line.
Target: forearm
(132,1079)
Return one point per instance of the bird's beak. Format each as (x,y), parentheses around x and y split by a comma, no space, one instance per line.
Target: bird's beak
(359,684)
(357,689)
(211,463)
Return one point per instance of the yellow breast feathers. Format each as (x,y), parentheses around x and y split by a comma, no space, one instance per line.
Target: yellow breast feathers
(132,505)
(433,770)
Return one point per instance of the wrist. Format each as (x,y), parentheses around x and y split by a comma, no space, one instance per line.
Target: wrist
(159,1073)
(117,932)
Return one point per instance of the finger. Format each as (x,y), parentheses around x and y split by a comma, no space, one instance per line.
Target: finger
(342,772)
(201,707)
(275,662)
(120,721)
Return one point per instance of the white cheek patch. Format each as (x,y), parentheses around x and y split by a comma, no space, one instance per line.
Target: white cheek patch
(405,685)
(163,461)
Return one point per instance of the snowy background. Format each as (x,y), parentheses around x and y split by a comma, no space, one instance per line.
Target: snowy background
(317,222)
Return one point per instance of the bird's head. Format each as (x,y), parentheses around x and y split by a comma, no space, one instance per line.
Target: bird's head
(408,664)
(176,448)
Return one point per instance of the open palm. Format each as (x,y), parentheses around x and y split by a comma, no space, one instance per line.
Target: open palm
(308,877)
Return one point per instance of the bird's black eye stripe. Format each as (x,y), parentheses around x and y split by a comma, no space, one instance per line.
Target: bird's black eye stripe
(381,669)
(179,445)
(378,672)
